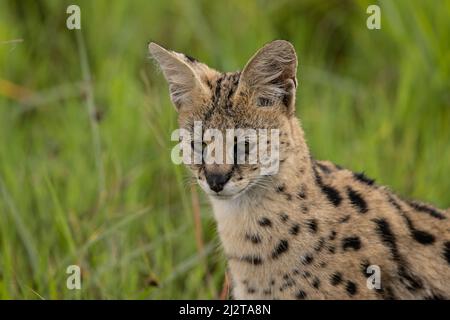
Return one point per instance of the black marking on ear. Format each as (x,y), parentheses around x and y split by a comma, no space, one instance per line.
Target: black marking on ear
(420,236)
(363,178)
(351,243)
(446,251)
(282,247)
(427,209)
(331,193)
(312,225)
(351,288)
(265,222)
(357,200)
(336,278)
(408,279)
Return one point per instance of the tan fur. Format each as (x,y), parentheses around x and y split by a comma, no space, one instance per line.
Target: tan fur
(331,239)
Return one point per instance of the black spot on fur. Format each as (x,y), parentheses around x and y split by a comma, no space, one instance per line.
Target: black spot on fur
(336,278)
(434,296)
(301,295)
(312,225)
(351,288)
(281,248)
(281,188)
(423,237)
(427,209)
(251,290)
(319,245)
(254,260)
(332,235)
(387,293)
(332,249)
(265,222)
(411,282)
(351,243)
(362,178)
(294,229)
(344,219)
(305,209)
(364,265)
(284,217)
(306,274)
(420,236)
(254,238)
(331,193)
(316,283)
(288,282)
(307,259)
(323,167)
(447,251)
(357,200)
(302,193)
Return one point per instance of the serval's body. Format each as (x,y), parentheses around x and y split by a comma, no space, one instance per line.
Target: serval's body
(311,230)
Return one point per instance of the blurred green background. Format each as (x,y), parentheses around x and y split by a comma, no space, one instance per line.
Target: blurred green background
(85,122)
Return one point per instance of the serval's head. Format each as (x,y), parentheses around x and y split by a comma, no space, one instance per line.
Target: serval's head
(262,96)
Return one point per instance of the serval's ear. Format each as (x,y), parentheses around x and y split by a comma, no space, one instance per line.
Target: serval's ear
(184,83)
(270,75)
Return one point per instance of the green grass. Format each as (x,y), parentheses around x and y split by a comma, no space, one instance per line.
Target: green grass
(85,170)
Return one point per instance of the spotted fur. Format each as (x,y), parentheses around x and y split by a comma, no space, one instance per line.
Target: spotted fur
(312,230)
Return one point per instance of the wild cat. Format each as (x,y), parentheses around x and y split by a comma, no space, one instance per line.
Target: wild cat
(312,230)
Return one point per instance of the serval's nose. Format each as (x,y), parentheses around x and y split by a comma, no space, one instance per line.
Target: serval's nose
(217,181)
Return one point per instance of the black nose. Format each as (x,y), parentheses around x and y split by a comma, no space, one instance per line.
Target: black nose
(217,181)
